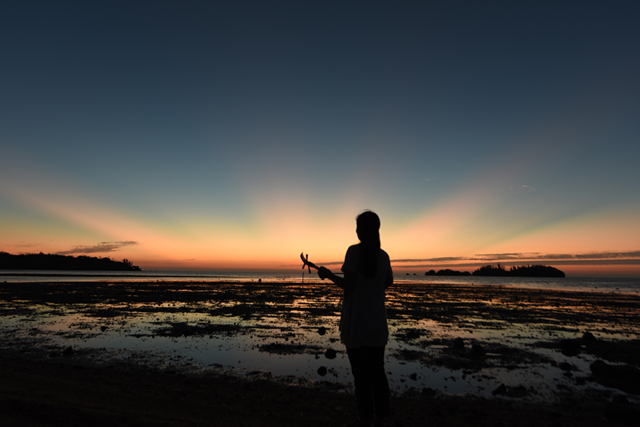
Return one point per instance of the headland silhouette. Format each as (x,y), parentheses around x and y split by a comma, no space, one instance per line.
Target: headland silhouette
(62,262)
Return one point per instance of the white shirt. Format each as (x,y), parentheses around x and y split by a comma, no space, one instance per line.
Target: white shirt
(364,317)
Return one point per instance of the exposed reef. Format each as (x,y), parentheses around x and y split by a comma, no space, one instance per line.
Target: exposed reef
(447,272)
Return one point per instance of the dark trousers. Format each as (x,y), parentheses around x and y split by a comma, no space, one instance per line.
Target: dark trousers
(370,380)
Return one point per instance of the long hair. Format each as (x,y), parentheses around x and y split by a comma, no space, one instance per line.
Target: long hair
(368,230)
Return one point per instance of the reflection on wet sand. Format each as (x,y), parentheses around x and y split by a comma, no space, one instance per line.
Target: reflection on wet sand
(482,340)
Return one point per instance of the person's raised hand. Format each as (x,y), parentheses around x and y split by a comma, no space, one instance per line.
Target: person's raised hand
(323,272)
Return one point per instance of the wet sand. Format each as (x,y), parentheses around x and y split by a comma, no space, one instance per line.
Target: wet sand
(502,338)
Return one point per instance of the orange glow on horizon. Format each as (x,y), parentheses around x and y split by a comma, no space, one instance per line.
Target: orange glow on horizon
(278,228)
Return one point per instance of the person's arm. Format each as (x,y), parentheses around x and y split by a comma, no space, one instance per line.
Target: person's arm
(348,282)
(388,281)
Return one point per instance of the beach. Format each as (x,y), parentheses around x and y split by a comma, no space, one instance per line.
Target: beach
(458,355)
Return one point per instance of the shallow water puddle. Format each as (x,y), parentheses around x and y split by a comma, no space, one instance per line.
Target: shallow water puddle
(277,345)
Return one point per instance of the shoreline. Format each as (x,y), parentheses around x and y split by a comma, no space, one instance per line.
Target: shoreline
(483,336)
(596,284)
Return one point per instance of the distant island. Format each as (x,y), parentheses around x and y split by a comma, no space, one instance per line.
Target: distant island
(519,271)
(447,272)
(62,262)
(500,271)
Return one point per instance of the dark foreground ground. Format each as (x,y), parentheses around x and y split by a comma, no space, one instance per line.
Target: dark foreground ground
(63,393)
(45,388)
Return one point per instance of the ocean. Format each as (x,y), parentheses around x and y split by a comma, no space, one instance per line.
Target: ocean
(589,284)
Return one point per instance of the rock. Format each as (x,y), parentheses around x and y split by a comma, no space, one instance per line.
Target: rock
(322,371)
(588,337)
(622,414)
(429,392)
(68,352)
(503,390)
(322,330)
(566,366)
(477,351)
(458,343)
(570,347)
(622,377)
(620,400)
(500,391)
(518,391)
(330,353)
(412,334)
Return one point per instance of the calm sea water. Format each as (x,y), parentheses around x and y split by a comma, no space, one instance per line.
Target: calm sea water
(599,284)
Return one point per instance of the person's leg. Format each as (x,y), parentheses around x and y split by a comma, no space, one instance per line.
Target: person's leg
(358,358)
(379,382)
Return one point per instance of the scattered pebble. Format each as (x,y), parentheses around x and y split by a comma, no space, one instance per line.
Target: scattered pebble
(330,353)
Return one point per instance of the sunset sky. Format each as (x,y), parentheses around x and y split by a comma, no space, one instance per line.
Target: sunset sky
(231,135)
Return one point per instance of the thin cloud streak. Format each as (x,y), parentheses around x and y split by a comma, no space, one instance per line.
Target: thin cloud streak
(590,258)
(627,255)
(475,265)
(102,247)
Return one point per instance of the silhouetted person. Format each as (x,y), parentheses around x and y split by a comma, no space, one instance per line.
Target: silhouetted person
(363,324)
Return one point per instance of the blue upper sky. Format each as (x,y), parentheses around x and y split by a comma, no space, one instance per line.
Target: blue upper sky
(218,124)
